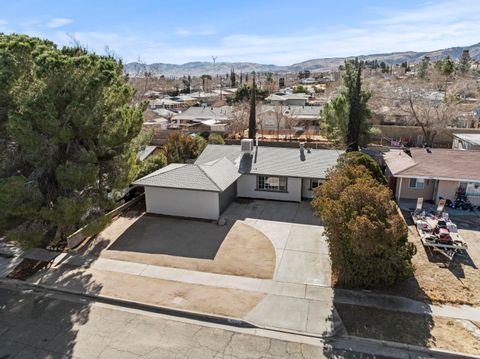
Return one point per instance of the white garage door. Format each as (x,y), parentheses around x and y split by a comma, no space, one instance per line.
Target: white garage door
(182,203)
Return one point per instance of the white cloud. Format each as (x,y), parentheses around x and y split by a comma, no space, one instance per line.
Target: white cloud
(58,22)
(426,27)
(190,32)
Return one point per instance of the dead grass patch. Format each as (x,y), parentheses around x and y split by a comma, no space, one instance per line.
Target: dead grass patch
(414,329)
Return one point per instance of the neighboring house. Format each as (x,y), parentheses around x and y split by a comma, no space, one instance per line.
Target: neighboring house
(309,81)
(294,99)
(466,141)
(160,122)
(204,118)
(166,102)
(433,173)
(283,117)
(222,173)
(146,152)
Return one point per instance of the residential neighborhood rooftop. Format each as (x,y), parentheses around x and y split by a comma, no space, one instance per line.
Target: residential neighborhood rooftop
(434,163)
(275,161)
(473,138)
(214,176)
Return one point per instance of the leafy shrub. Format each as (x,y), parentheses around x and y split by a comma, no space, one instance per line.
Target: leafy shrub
(362,159)
(180,147)
(367,237)
(216,139)
(152,164)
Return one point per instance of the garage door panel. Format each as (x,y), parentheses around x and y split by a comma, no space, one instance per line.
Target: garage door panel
(183,203)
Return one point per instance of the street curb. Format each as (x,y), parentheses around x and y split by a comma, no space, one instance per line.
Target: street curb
(210,318)
(336,342)
(403,346)
(216,319)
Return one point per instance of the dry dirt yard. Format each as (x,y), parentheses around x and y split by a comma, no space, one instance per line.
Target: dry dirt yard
(172,294)
(415,329)
(237,249)
(437,280)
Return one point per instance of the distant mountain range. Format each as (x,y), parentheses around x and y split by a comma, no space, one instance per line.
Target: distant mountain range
(325,64)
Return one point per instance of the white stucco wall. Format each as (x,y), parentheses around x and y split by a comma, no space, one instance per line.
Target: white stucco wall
(306,191)
(183,203)
(247,187)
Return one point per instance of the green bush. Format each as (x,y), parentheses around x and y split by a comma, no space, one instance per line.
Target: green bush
(152,164)
(96,226)
(216,139)
(366,235)
(362,159)
(181,147)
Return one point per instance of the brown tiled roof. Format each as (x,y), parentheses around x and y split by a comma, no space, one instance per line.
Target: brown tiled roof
(438,164)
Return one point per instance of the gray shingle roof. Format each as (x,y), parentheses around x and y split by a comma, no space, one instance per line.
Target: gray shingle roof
(147,151)
(440,163)
(276,161)
(214,176)
(473,138)
(205,113)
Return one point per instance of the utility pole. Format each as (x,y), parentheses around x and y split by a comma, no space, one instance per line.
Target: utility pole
(252,121)
(214,58)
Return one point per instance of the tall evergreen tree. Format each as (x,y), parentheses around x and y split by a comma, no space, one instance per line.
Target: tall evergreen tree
(252,121)
(346,117)
(445,67)
(464,62)
(422,70)
(233,78)
(353,83)
(68,124)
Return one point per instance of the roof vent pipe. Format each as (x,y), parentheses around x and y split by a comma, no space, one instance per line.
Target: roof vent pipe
(302,151)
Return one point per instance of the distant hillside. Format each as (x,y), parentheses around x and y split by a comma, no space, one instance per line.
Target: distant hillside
(325,64)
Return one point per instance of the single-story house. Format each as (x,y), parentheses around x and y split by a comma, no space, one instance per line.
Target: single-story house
(433,173)
(293,99)
(222,173)
(466,141)
(300,117)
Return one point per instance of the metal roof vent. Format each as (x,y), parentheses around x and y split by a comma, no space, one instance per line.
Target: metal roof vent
(302,151)
(246,145)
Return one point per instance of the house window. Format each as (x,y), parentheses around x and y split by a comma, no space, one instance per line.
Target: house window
(314,183)
(272,183)
(416,183)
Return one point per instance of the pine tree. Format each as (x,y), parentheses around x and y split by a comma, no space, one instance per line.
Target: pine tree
(357,100)
(422,71)
(233,78)
(464,62)
(252,121)
(66,118)
(346,116)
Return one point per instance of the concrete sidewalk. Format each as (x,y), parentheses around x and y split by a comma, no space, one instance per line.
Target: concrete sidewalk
(294,307)
(278,288)
(406,305)
(268,286)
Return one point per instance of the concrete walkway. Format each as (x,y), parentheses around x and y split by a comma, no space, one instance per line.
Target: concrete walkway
(292,291)
(295,290)
(296,308)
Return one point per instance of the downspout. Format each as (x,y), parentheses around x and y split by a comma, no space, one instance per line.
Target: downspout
(399,190)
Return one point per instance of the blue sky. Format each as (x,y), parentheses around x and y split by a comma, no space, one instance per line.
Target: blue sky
(278,32)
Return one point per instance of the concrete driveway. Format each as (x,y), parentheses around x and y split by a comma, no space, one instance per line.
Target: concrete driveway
(299,298)
(285,239)
(296,234)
